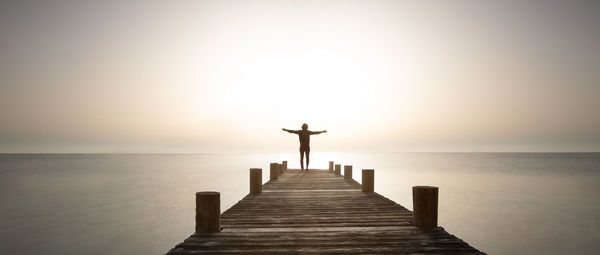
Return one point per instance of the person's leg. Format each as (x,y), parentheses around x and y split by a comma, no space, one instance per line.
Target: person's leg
(301,159)
(307,158)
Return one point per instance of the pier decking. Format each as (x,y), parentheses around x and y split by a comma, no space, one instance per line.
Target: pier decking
(319,212)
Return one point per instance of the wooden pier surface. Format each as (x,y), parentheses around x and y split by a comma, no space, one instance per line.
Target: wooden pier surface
(319,212)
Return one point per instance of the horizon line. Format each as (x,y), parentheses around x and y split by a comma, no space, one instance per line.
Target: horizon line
(266,152)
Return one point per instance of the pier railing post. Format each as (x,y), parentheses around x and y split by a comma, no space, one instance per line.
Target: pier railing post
(425,206)
(274,171)
(255,181)
(331,166)
(338,169)
(208,211)
(284,163)
(279,169)
(348,172)
(368,180)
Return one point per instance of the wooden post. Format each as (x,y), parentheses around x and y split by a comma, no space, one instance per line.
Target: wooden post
(274,171)
(255,181)
(331,166)
(338,169)
(208,211)
(284,165)
(368,180)
(280,168)
(348,172)
(425,206)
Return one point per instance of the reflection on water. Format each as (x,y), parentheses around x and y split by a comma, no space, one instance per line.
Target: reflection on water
(140,204)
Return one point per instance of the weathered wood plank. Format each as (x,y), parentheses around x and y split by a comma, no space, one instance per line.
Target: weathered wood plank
(317,212)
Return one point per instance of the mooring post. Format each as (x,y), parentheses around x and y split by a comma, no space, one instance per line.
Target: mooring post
(274,171)
(331,166)
(368,180)
(208,211)
(348,172)
(255,181)
(425,206)
(279,169)
(338,169)
(284,163)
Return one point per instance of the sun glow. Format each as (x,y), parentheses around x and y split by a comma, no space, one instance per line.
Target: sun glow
(262,74)
(221,76)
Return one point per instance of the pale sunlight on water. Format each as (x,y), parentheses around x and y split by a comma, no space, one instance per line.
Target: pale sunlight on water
(501,203)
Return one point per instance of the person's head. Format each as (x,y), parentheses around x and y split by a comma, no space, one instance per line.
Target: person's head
(304,126)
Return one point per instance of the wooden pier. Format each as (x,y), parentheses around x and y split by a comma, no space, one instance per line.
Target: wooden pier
(319,212)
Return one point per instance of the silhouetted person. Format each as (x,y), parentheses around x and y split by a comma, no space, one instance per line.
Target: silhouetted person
(304,136)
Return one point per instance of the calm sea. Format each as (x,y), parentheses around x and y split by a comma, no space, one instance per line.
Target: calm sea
(501,203)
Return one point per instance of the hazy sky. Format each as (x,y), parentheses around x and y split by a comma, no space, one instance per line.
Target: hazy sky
(226,76)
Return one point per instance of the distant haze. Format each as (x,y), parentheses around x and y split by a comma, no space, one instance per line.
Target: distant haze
(226,76)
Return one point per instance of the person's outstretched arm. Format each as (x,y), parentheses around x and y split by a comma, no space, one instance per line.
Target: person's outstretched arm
(317,132)
(291,131)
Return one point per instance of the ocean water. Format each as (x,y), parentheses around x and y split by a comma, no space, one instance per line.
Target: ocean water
(500,203)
